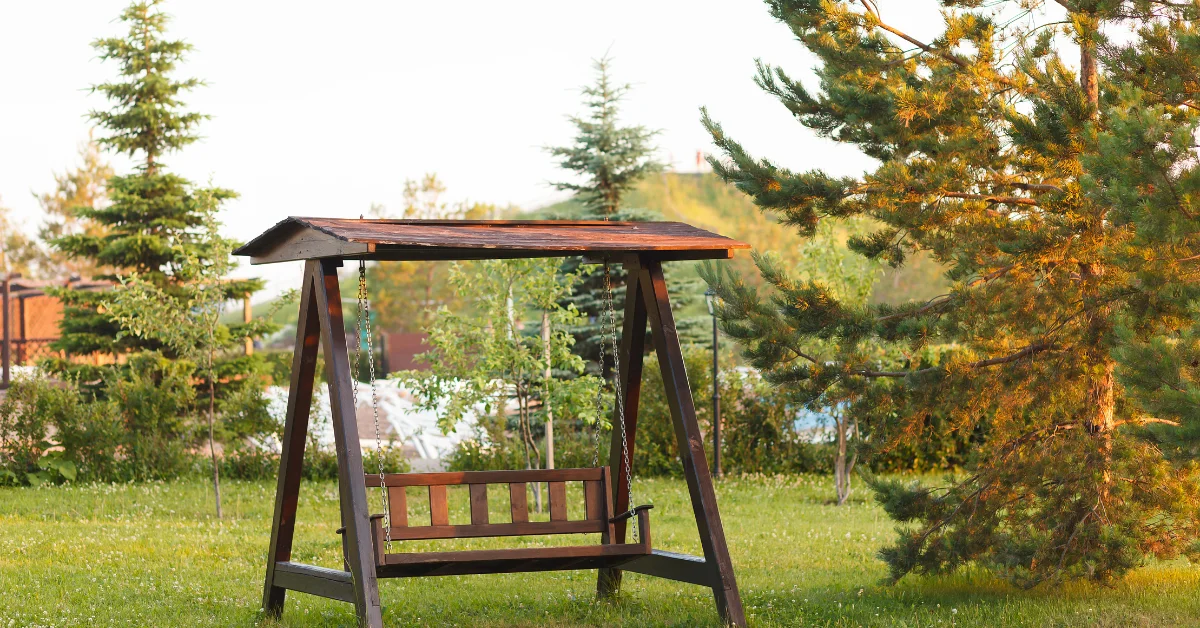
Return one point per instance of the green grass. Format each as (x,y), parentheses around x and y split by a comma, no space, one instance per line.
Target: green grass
(152,554)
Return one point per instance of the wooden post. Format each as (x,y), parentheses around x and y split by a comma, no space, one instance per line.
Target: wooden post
(633,342)
(352,490)
(247,316)
(6,351)
(295,431)
(691,444)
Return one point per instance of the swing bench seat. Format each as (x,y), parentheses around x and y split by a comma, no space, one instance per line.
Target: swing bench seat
(598,518)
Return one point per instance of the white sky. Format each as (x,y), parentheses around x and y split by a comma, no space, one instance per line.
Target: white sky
(321,112)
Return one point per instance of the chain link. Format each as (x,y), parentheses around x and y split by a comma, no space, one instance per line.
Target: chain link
(364,326)
(617,389)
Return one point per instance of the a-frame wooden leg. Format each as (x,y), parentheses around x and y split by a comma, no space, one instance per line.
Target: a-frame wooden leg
(351,488)
(691,443)
(633,340)
(295,431)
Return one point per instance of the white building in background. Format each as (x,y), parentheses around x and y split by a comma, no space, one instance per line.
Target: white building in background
(400,423)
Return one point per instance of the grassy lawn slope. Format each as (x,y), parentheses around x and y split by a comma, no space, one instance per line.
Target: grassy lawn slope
(151,554)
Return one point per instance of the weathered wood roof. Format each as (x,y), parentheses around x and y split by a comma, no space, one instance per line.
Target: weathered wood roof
(310,238)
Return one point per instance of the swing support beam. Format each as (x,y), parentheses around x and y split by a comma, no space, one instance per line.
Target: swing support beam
(640,247)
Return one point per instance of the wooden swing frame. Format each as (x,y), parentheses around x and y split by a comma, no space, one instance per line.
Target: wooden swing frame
(640,247)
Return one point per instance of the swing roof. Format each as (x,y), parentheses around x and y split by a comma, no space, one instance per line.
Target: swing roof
(298,238)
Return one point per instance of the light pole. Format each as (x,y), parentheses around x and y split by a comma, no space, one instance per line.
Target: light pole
(710,298)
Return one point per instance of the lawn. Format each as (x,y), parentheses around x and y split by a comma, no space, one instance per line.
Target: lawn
(152,554)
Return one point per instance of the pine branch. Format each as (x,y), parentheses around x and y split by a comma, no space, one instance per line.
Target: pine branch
(999,200)
(1013,357)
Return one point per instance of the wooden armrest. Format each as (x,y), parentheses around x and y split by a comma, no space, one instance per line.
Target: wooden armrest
(342,530)
(629,514)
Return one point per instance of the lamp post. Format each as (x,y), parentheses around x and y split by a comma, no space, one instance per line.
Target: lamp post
(710,298)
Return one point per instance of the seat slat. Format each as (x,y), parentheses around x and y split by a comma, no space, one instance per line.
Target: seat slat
(439,510)
(519,502)
(558,501)
(479,504)
(505,565)
(525,553)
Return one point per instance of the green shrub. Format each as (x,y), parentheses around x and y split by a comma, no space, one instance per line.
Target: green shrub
(26,454)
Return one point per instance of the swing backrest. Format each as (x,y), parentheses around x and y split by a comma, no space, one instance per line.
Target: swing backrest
(597,494)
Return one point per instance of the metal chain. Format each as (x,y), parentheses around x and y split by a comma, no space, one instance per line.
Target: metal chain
(364,325)
(599,406)
(618,393)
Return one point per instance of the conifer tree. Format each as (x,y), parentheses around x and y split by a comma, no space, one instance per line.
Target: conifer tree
(1053,172)
(609,159)
(154,219)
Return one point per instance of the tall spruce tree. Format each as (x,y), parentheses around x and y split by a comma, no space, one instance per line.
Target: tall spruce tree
(609,160)
(1053,172)
(154,219)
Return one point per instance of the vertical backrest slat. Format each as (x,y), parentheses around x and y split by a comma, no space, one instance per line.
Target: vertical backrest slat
(397,507)
(558,501)
(519,507)
(439,510)
(479,506)
(593,493)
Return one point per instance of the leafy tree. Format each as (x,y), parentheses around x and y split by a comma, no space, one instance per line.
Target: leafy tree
(186,318)
(408,294)
(17,252)
(83,188)
(484,360)
(1061,200)
(154,219)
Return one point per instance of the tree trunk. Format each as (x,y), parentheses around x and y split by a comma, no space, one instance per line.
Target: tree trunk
(841,466)
(1100,403)
(1089,74)
(212,441)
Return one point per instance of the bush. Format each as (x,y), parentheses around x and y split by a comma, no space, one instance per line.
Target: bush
(26,456)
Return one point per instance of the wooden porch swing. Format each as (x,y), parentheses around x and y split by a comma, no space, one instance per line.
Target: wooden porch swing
(641,247)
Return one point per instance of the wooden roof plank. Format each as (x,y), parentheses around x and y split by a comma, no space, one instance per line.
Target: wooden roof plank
(309,238)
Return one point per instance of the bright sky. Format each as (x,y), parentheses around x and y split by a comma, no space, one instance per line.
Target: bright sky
(321,112)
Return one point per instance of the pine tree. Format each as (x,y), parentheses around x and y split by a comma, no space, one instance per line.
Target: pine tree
(154,219)
(609,159)
(1062,201)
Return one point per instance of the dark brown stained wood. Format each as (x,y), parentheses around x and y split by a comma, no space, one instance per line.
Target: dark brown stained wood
(558,501)
(610,532)
(633,340)
(295,432)
(550,560)
(518,502)
(672,566)
(458,478)
(524,528)
(397,506)
(479,505)
(320,581)
(593,493)
(359,555)
(524,553)
(300,243)
(307,238)
(439,510)
(690,441)
(378,538)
